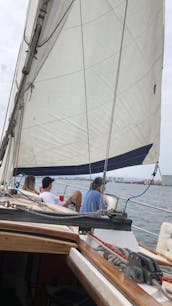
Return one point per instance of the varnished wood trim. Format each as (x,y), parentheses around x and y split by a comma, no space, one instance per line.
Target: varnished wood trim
(158,253)
(39,229)
(127,286)
(28,243)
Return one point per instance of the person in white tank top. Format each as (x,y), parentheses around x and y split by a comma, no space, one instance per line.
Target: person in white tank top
(49,197)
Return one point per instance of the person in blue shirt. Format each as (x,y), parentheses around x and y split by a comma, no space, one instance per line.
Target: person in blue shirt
(92,198)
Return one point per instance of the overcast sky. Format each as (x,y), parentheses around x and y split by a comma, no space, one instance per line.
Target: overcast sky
(12,19)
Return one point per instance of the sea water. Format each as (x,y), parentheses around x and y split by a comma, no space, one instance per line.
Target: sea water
(145,217)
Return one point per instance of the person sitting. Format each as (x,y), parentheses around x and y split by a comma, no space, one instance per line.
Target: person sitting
(74,200)
(92,198)
(49,197)
(29,184)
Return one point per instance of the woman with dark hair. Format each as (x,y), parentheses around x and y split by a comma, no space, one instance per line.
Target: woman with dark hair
(93,197)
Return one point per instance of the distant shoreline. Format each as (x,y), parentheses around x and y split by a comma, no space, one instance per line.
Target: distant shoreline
(118,180)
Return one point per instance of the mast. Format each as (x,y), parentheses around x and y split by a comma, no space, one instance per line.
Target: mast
(25,71)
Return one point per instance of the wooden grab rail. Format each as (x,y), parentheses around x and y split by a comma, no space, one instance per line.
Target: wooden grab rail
(42,229)
(156,252)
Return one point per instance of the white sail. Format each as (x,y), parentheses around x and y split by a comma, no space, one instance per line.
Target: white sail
(94,87)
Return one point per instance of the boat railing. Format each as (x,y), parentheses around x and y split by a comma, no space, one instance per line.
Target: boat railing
(66,186)
(143,204)
(117,197)
(154,235)
(114,200)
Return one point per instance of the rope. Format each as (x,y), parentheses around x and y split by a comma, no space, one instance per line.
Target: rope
(57,25)
(109,246)
(116,255)
(45,41)
(161,289)
(111,253)
(166,279)
(167,273)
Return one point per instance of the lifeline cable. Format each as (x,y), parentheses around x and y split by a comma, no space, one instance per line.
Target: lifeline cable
(140,194)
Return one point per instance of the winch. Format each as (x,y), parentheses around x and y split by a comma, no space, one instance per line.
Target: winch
(143,269)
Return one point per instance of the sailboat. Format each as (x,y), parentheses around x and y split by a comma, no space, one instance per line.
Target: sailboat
(85,99)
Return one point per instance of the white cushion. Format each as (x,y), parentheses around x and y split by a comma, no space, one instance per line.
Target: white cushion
(164,243)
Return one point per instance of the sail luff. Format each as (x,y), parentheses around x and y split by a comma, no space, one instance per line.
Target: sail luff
(26,69)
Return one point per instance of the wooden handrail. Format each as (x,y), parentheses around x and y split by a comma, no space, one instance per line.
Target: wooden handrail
(169,263)
(39,229)
(18,242)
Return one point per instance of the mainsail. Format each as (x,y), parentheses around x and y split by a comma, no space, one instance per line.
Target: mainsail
(88,89)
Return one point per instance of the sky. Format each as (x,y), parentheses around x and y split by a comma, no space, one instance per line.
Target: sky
(12,20)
